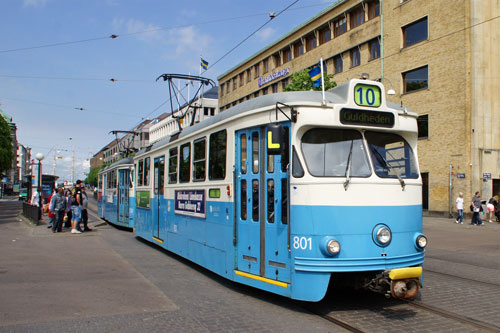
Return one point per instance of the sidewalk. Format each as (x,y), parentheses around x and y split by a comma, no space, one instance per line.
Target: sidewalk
(47,276)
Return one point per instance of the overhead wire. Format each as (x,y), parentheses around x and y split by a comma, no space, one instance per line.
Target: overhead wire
(114,36)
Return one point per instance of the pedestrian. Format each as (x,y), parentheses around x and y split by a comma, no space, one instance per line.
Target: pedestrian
(460,208)
(58,207)
(76,208)
(85,215)
(36,200)
(67,221)
(492,204)
(50,213)
(476,209)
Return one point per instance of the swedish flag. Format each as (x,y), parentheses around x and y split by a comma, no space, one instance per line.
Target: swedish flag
(204,64)
(315,74)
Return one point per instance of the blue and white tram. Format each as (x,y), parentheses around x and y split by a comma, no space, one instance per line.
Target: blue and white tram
(115,193)
(289,192)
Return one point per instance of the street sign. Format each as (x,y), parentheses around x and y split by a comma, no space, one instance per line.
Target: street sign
(487,175)
(461,175)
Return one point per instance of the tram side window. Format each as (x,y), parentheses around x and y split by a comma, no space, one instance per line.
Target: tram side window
(255,152)
(172,166)
(285,156)
(140,173)
(184,163)
(335,153)
(199,158)
(297,169)
(270,200)
(392,156)
(243,154)
(100,182)
(146,171)
(217,155)
(243,199)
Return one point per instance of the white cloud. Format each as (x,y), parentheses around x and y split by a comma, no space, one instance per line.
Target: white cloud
(189,40)
(265,34)
(145,31)
(34,3)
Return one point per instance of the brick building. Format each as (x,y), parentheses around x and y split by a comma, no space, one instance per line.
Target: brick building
(441,57)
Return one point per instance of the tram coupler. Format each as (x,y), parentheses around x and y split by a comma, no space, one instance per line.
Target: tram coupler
(398,283)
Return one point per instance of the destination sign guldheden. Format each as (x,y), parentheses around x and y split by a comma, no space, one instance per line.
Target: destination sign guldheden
(366,117)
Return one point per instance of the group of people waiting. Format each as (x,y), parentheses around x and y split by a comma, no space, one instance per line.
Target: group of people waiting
(477,208)
(69,208)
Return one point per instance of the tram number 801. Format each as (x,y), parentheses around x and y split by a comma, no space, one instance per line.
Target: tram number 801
(302,243)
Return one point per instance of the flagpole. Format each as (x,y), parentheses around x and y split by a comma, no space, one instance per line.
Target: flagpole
(322,81)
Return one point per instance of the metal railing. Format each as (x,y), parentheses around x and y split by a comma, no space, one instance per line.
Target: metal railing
(31,212)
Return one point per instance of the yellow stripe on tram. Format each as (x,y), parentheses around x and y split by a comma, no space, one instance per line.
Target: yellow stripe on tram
(263,279)
(158,240)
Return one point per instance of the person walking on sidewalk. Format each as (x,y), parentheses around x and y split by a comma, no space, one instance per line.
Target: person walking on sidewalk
(476,208)
(50,213)
(492,204)
(58,207)
(76,208)
(460,208)
(85,215)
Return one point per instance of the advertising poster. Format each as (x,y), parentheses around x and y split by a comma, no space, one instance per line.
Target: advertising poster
(190,202)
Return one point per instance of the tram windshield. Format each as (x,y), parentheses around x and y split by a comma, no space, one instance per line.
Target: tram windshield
(335,153)
(392,156)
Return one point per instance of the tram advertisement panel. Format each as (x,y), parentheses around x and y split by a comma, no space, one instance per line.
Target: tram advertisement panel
(190,202)
(142,199)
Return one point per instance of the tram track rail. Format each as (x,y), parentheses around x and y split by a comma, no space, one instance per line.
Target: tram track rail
(453,316)
(464,278)
(334,320)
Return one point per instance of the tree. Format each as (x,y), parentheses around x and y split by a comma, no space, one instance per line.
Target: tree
(301,81)
(92,176)
(6,155)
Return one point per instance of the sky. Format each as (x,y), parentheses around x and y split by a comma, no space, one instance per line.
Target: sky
(44,87)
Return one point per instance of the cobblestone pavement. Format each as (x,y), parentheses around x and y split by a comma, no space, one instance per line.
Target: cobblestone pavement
(125,284)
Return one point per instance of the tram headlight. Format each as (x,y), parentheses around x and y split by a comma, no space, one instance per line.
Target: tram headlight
(421,242)
(333,247)
(384,236)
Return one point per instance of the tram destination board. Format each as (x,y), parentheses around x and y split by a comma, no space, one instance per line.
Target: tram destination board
(367,118)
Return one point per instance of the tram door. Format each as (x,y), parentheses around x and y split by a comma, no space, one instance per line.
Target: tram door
(159,172)
(261,194)
(123,195)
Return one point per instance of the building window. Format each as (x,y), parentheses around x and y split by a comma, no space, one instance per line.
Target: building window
(415,32)
(235,83)
(423,126)
(374,49)
(277,60)
(217,155)
(256,71)
(338,64)
(264,91)
(256,94)
(265,63)
(284,83)
(325,35)
(228,84)
(199,153)
(416,79)
(340,26)
(287,55)
(274,88)
(298,49)
(311,42)
(222,90)
(373,9)
(242,79)
(355,57)
(249,75)
(184,163)
(357,17)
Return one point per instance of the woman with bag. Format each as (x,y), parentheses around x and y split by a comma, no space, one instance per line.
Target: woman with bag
(476,207)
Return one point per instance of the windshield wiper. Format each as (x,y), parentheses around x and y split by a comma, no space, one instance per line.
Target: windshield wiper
(383,161)
(348,168)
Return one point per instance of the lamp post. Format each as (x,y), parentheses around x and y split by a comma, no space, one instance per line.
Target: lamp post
(39,157)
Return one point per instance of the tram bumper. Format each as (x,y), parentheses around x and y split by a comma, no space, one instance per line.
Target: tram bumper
(398,283)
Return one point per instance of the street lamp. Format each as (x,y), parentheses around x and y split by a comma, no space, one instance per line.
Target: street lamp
(39,157)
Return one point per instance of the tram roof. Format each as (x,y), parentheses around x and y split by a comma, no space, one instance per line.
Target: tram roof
(123,161)
(337,95)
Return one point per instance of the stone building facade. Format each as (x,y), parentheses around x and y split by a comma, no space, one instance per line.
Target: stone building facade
(441,57)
